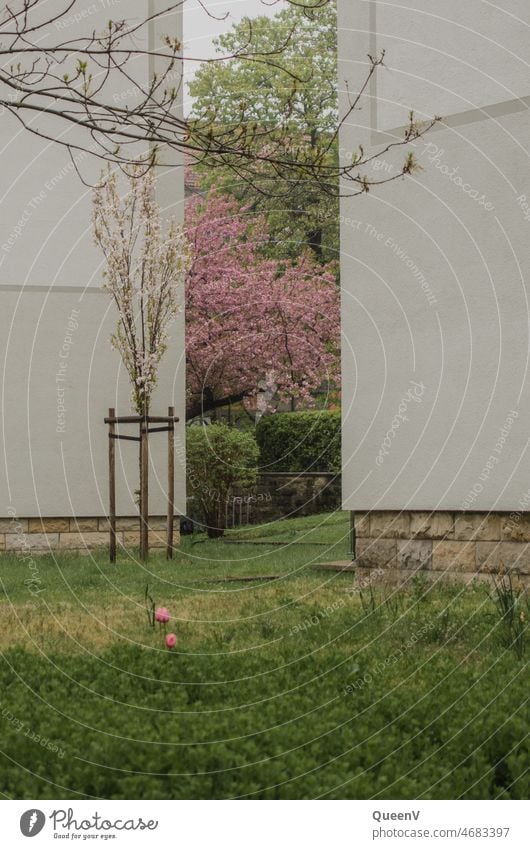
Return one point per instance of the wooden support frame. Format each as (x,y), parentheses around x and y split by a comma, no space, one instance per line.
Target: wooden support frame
(170,481)
(144,490)
(112,488)
(143,423)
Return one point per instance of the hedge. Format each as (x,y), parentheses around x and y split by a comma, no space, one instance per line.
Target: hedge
(300,442)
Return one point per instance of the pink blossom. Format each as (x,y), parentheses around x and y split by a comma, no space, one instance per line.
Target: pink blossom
(162,614)
(171,641)
(252,320)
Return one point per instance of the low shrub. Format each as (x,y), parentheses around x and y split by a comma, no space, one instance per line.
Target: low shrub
(277,722)
(300,442)
(218,458)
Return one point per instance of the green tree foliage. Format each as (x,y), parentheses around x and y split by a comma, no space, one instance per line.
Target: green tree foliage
(218,458)
(300,442)
(291,86)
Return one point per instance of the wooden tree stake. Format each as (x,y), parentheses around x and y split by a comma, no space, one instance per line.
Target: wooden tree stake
(170,480)
(144,489)
(112,486)
(143,440)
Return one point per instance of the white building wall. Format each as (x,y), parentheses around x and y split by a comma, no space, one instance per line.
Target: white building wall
(55,322)
(435,267)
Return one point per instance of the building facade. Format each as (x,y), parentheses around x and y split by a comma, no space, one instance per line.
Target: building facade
(435,287)
(59,374)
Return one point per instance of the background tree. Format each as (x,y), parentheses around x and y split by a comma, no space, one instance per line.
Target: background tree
(298,92)
(251,318)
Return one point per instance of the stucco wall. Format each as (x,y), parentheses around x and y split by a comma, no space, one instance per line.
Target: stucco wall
(59,374)
(435,266)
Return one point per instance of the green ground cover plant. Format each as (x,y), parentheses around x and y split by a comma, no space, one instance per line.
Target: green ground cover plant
(307,686)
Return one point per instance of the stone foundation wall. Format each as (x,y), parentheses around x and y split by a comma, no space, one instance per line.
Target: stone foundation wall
(80,535)
(483,543)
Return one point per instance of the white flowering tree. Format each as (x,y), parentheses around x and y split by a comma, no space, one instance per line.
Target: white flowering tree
(146,260)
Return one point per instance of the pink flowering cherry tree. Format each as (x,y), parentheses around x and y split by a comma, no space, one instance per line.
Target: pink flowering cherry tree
(257,328)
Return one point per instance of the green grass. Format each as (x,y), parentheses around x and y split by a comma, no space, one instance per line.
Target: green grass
(297,688)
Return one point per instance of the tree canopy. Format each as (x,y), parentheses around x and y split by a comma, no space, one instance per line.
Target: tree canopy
(295,93)
(252,319)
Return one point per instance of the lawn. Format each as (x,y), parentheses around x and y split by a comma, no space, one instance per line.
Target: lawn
(301,687)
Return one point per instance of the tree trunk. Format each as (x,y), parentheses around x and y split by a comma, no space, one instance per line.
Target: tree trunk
(314,239)
(207,403)
(217,518)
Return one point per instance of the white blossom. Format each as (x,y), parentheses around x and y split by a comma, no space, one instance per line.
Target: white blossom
(145,267)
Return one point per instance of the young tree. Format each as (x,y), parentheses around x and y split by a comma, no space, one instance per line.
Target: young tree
(252,319)
(146,260)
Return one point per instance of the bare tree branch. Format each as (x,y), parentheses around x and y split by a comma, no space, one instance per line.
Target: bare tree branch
(87,95)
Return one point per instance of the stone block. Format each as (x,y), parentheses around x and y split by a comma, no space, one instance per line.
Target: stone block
(131,539)
(516,556)
(13,526)
(366,578)
(503,557)
(157,539)
(2,542)
(76,541)
(376,553)
(362,524)
(389,525)
(414,554)
(123,523)
(515,527)
(48,526)
(453,556)
(29,542)
(435,525)
(127,523)
(478,526)
(80,525)
(489,556)
(158,523)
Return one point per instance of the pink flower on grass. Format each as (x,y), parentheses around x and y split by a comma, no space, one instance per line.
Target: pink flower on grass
(171,641)
(162,614)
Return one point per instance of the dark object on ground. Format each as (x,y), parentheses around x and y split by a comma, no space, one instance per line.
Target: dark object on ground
(186,527)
